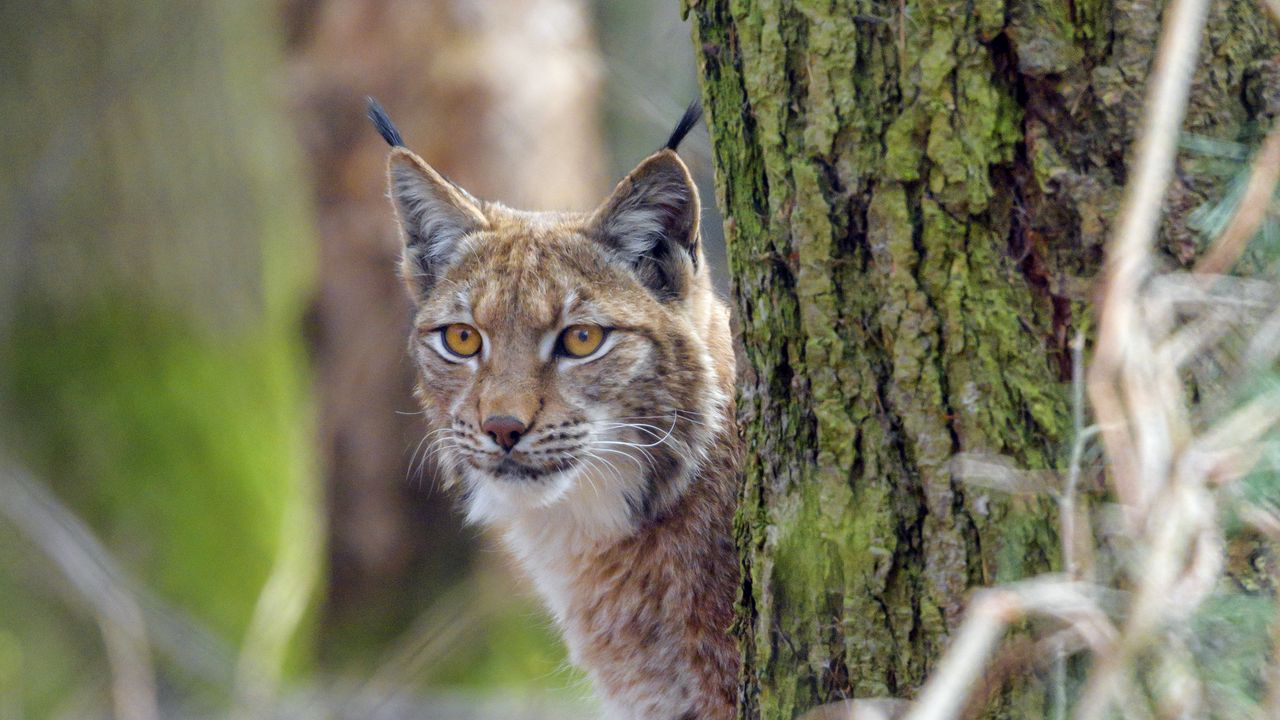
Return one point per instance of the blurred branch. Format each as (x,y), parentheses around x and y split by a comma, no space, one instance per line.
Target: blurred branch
(1269,525)
(1229,449)
(1067,520)
(1251,211)
(129,619)
(1165,477)
(444,625)
(1123,370)
(1272,8)
(280,608)
(1264,346)
(991,611)
(86,567)
(861,709)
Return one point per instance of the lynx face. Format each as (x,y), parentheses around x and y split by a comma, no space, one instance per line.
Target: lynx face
(572,365)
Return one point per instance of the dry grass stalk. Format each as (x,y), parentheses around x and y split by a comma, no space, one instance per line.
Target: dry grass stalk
(1124,374)
(136,626)
(92,584)
(1229,245)
(1164,474)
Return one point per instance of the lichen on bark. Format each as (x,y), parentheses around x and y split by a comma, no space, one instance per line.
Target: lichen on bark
(915,197)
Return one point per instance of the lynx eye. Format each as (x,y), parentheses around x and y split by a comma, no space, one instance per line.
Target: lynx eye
(579,341)
(461,339)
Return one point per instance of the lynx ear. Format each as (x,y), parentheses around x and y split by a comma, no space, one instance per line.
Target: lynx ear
(434,216)
(650,224)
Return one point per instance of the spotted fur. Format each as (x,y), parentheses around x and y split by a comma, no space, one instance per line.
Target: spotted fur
(617,499)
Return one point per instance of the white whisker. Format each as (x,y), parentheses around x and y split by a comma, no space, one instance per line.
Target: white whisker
(652,430)
(660,440)
(629,456)
(591,465)
(608,465)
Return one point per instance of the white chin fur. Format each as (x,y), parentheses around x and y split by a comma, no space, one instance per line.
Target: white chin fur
(550,526)
(568,512)
(494,500)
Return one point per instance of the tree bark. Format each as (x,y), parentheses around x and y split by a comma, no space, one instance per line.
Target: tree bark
(916,196)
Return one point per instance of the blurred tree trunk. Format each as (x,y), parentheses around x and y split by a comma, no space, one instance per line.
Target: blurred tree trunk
(154,246)
(500,95)
(916,197)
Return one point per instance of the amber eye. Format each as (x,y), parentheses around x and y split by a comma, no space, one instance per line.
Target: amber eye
(461,340)
(579,341)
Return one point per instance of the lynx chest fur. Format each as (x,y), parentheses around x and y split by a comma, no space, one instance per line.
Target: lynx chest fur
(577,373)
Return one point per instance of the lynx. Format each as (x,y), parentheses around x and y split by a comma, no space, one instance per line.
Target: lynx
(576,371)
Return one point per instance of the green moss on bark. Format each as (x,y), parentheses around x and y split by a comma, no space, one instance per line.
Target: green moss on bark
(156,240)
(911,201)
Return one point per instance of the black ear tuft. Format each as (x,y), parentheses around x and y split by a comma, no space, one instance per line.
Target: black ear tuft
(692,114)
(435,216)
(383,123)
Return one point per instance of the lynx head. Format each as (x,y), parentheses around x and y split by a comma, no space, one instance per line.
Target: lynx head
(573,367)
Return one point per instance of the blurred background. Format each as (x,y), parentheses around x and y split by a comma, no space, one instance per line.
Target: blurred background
(213,500)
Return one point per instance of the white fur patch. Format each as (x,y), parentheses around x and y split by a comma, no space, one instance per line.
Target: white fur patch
(635,228)
(586,514)
(551,524)
(432,220)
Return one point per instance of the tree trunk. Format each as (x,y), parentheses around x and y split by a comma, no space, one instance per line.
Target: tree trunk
(154,253)
(916,196)
(508,113)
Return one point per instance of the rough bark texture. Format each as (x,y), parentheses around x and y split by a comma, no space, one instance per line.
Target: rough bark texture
(916,196)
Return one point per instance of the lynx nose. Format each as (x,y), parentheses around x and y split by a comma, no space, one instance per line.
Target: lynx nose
(505,430)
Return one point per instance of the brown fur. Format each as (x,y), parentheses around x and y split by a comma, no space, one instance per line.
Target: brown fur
(660,603)
(618,498)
